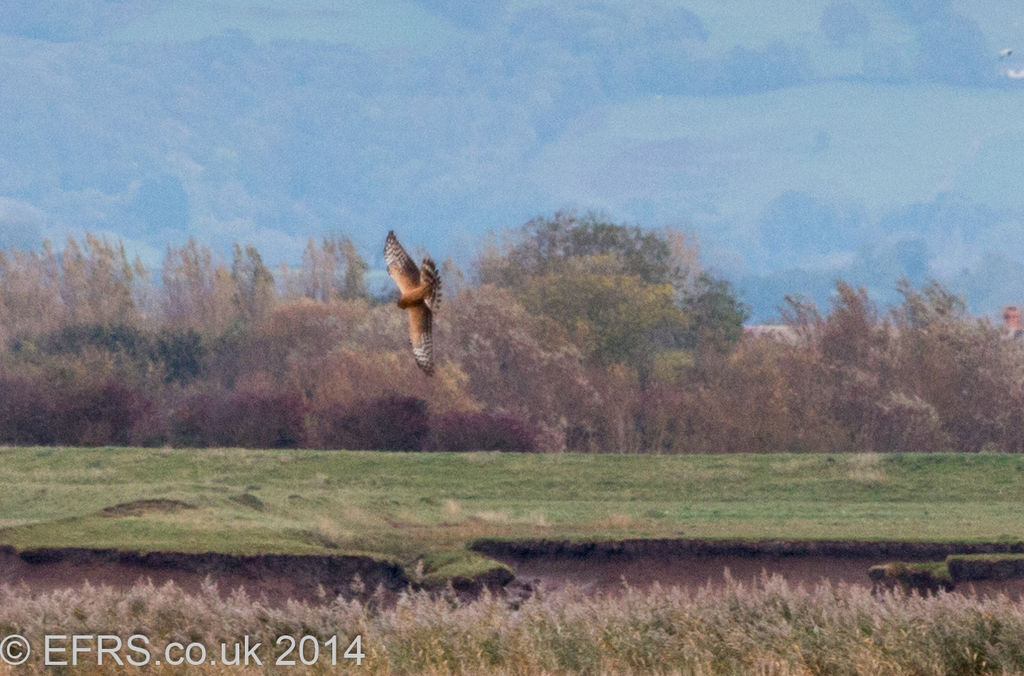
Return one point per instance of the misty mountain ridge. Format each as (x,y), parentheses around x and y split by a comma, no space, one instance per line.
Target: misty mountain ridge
(862,139)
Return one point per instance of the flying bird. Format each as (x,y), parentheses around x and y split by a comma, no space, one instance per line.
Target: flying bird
(421,296)
(1003,53)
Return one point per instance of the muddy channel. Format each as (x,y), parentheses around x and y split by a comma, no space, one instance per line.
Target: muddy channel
(610,566)
(589,567)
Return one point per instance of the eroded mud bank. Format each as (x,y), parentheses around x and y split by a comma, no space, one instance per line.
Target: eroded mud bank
(551,564)
(607,566)
(275,576)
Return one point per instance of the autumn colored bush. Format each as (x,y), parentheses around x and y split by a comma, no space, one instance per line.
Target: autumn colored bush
(391,423)
(259,418)
(189,421)
(925,376)
(517,363)
(247,417)
(480,431)
(92,412)
(26,411)
(965,370)
(98,413)
(578,335)
(737,407)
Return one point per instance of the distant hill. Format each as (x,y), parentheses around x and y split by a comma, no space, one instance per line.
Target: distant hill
(864,139)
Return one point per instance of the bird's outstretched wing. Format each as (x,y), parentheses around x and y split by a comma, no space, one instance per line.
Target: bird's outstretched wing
(430,278)
(420,296)
(421,336)
(400,266)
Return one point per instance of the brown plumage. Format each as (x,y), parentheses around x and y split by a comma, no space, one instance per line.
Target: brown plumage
(421,296)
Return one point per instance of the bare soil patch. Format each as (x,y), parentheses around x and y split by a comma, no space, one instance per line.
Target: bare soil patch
(143,507)
(249,500)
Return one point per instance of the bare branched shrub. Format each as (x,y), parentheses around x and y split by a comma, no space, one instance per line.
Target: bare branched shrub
(905,422)
(924,377)
(960,366)
(512,370)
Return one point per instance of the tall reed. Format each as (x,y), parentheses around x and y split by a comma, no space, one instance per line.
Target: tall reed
(768,627)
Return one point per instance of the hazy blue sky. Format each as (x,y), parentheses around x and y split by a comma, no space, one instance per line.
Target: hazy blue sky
(800,141)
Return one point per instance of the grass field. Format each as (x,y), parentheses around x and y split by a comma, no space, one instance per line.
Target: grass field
(402,507)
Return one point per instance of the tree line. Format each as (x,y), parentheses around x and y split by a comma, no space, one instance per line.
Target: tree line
(571,333)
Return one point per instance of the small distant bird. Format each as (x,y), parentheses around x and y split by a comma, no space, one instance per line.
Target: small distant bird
(1015,74)
(421,296)
(1003,53)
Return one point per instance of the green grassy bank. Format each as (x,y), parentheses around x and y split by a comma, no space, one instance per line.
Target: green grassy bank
(403,506)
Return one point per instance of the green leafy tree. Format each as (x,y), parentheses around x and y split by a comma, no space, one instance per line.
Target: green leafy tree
(614,318)
(623,294)
(545,245)
(715,314)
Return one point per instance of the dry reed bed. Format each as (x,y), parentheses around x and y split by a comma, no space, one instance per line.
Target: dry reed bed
(770,627)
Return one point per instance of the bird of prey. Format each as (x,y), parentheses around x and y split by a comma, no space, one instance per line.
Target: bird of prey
(421,296)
